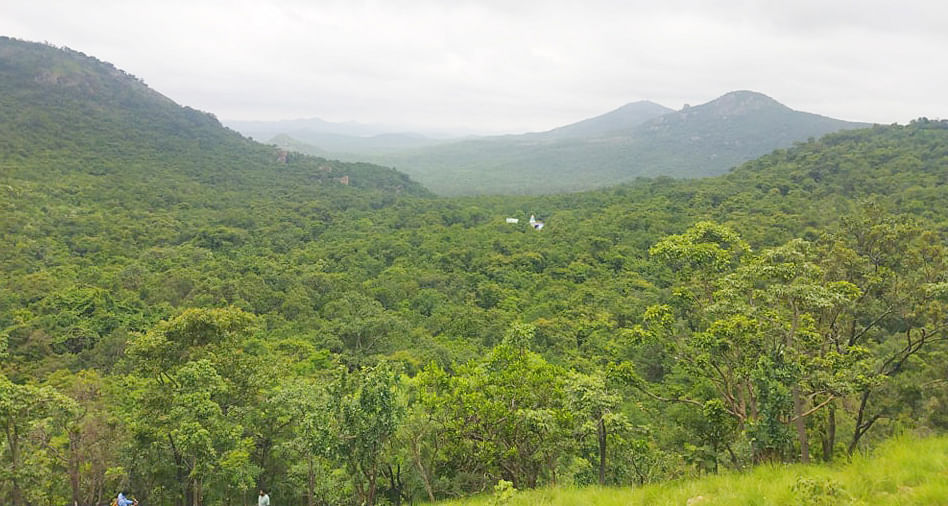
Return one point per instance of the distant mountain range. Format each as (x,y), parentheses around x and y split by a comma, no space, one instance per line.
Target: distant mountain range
(641,139)
(304,127)
(320,136)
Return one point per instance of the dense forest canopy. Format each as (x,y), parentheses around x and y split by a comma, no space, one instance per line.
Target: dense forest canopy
(189,316)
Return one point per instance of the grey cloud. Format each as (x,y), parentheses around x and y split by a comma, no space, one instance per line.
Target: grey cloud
(508,66)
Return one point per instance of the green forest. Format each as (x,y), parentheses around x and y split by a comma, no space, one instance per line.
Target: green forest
(189,316)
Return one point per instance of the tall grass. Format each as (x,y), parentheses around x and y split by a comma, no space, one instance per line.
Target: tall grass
(903,471)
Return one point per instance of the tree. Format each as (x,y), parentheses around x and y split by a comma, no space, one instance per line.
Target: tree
(900,314)
(504,417)
(21,408)
(189,403)
(597,408)
(364,416)
(421,436)
(86,441)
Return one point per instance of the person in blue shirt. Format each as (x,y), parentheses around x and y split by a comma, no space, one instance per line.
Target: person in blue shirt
(122,501)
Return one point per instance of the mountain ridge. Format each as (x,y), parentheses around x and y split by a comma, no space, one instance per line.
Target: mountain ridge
(64,112)
(697,141)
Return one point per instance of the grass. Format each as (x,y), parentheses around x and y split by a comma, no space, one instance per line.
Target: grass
(903,471)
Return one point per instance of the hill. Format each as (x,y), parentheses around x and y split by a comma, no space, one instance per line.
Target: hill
(323,138)
(69,115)
(352,148)
(699,141)
(640,139)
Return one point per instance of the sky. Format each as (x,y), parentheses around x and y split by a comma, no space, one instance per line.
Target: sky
(492,66)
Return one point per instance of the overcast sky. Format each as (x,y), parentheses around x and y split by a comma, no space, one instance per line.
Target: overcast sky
(508,65)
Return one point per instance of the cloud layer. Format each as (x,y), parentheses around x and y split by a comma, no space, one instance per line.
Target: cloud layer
(495,65)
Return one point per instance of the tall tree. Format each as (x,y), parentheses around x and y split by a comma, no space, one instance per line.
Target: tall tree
(365,415)
(597,407)
(900,314)
(189,405)
(506,416)
(21,408)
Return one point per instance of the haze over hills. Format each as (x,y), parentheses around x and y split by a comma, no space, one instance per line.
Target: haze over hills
(628,116)
(331,137)
(355,141)
(263,130)
(351,139)
(641,139)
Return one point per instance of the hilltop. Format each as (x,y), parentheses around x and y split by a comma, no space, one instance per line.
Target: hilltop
(728,130)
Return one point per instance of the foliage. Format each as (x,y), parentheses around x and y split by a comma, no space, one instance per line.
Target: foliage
(192,316)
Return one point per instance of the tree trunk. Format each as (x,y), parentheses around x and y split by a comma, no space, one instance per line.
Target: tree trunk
(859,430)
(266,475)
(17,494)
(196,501)
(311,484)
(395,484)
(373,485)
(74,481)
(179,473)
(551,465)
(97,494)
(601,430)
(829,438)
(800,424)
(734,460)
(416,456)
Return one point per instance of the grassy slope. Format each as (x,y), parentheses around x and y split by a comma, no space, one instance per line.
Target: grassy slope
(902,471)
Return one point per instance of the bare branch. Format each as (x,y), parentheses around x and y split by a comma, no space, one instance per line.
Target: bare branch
(683,401)
(812,410)
(855,338)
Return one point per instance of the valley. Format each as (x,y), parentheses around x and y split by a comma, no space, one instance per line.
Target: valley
(191,316)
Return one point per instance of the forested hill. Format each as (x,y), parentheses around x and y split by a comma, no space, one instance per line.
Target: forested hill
(815,183)
(72,119)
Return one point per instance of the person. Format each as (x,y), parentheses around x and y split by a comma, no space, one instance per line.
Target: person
(264,499)
(122,501)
